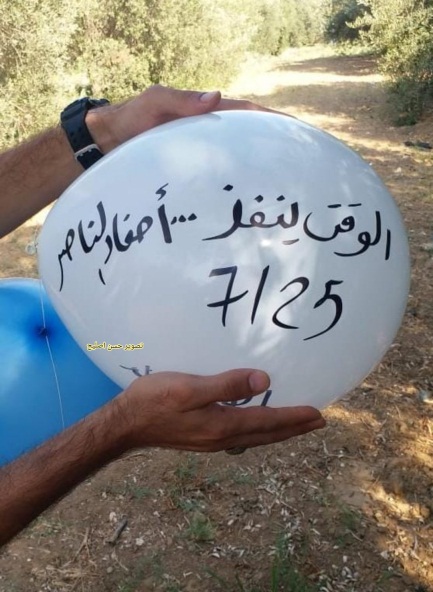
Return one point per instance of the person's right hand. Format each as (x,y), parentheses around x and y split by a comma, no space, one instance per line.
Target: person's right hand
(174,410)
(113,125)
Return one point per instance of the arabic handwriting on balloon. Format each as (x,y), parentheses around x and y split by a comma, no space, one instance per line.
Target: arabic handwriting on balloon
(257,219)
(114,236)
(121,232)
(365,239)
(333,206)
(136,371)
(388,245)
(346,225)
(242,402)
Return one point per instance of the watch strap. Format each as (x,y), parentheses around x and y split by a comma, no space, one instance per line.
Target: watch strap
(73,122)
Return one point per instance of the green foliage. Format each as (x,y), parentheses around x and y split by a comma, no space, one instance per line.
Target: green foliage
(401,33)
(200,528)
(283,576)
(33,52)
(105,51)
(52,51)
(287,23)
(341,17)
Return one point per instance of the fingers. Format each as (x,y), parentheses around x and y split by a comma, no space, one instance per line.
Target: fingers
(256,426)
(115,124)
(242,104)
(262,439)
(182,103)
(264,420)
(227,386)
(185,411)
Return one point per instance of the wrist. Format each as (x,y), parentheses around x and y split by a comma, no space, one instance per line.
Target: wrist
(98,123)
(135,414)
(114,423)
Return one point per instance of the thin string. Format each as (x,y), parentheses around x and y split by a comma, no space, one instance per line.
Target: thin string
(56,378)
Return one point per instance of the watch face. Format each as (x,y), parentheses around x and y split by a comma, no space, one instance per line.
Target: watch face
(82,106)
(97,102)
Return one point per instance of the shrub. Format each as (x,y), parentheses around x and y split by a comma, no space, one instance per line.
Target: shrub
(401,32)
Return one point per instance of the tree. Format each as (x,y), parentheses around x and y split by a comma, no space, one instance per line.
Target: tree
(341,17)
(400,31)
(34,38)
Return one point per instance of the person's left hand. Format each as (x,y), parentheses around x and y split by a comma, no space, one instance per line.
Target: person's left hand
(184,411)
(112,125)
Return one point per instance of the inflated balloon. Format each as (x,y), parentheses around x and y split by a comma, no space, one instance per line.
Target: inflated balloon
(46,381)
(234,239)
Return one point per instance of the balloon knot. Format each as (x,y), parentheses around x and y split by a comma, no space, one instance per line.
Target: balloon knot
(42,331)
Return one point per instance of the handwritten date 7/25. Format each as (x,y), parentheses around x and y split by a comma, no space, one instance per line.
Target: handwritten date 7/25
(329,299)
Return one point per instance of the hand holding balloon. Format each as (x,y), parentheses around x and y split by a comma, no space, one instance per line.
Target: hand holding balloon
(46,178)
(113,125)
(174,410)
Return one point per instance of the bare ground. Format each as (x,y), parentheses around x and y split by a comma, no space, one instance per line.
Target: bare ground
(349,508)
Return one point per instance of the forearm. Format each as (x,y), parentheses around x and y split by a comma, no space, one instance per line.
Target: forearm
(36,480)
(33,175)
(37,172)
(167,410)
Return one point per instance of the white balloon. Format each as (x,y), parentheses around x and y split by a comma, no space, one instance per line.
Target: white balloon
(233,239)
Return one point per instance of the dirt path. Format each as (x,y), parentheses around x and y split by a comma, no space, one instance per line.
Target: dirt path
(349,509)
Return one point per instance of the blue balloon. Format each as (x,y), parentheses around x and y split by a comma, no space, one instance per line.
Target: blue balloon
(46,381)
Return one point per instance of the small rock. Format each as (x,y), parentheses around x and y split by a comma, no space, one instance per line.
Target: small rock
(425,397)
(30,249)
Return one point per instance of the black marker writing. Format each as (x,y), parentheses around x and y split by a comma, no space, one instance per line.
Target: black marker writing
(259,220)
(302,283)
(242,402)
(118,235)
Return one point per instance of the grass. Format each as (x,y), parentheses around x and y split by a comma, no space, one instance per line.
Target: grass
(145,567)
(187,470)
(149,567)
(242,477)
(128,489)
(200,528)
(350,519)
(283,576)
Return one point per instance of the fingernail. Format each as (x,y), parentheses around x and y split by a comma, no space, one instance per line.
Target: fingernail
(259,381)
(208,97)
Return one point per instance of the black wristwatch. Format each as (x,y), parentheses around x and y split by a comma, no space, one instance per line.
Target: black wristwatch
(73,121)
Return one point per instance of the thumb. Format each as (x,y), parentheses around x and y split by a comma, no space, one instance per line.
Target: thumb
(184,103)
(229,386)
